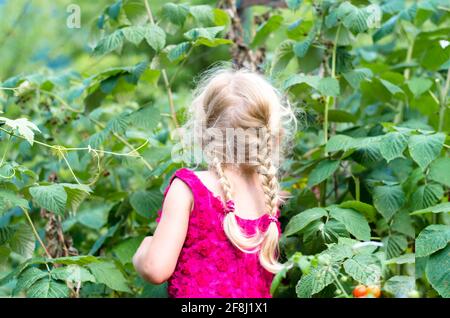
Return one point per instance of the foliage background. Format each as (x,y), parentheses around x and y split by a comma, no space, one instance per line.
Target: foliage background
(88,116)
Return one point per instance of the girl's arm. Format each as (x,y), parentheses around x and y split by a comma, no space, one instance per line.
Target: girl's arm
(157,256)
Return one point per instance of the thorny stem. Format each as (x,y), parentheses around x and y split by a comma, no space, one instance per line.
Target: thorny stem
(36,233)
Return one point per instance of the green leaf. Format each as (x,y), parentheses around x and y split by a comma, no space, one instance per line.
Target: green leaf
(283,55)
(354,222)
(301,48)
(311,80)
(179,51)
(125,250)
(328,86)
(48,288)
(359,20)
(155,37)
(419,85)
(402,259)
(341,116)
(439,208)
(9,200)
(134,34)
(394,245)
(316,280)
(392,145)
(6,232)
(212,43)
(363,269)
(175,13)
(23,241)
(392,88)
(425,148)
(299,221)
(265,29)
(146,203)
(76,194)
(365,209)
(438,271)
(109,43)
(322,171)
(75,260)
(433,238)
(203,14)
(107,273)
(386,29)
(388,200)
(27,278)
(146,118)
(277,280)
(114,10)
(356,76)
(52,197)
(339,143)
(294,4)
(93,214)
(426,195)
(400,286)
(402,223)
(207,33)
(440,171)
(72,273)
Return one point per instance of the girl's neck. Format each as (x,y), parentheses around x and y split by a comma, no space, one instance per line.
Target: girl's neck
(241,174)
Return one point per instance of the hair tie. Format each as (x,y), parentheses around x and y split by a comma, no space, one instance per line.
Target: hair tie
(273,218)
(230,206)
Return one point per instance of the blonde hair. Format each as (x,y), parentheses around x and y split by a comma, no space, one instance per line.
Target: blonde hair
(239,98)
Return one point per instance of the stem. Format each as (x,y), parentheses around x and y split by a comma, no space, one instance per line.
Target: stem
(333,60)
(406,74)
(174,76)
(35,232)
(323,193)
(62,101)
(357,188)
(126,143)
(164,74)
(149,12)
(6,150)
(327,102)
(338,283)
(325,123)
(443,101)
(59,147)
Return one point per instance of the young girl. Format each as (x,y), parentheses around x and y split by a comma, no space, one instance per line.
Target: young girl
(218,230)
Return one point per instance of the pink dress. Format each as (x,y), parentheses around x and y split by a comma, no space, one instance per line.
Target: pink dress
(209,266)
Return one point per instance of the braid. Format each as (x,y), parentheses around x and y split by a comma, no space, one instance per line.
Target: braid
(222,178)
(268,174)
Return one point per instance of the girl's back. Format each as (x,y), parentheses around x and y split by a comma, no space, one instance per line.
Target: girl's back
(209,265)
